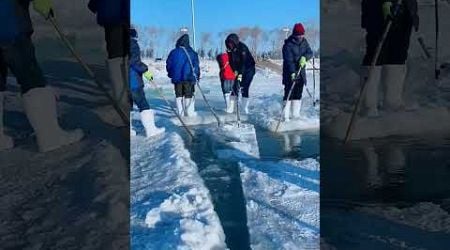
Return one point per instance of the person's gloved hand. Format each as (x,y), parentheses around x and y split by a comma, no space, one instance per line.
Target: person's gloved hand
(302,62)
(293,76)
(148,75)
(238,76)
(387,10)
(43,7)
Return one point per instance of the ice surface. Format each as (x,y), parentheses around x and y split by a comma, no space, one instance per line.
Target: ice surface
(426,216)
(170,206)
(282,203)
(421,121)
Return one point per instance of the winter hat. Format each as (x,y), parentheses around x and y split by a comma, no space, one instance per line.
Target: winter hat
(299,30)
(232,41)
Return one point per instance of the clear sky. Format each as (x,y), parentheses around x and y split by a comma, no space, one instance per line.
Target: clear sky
(215,15)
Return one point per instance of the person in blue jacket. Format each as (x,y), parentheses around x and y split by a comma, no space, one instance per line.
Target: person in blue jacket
(114,16)
(296,52)
(138,69)
(17,54)
(183,67)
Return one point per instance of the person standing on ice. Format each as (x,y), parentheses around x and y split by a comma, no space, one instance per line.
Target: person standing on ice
(137,70)
(17,54)
(243,65)
(113,16)
(227,78)
(390,67)
(296,53)
(184,76)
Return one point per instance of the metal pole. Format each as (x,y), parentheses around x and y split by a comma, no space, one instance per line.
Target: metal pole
(193,24)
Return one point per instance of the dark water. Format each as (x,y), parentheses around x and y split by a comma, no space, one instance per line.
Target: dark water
(222,176)
(394,172)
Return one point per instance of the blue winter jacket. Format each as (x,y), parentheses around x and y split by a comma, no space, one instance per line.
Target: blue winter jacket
(293,50)
(110,12)
(15,19)
(137,67)
(178,67)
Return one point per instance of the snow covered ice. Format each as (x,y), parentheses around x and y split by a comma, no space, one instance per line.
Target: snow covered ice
(172,204)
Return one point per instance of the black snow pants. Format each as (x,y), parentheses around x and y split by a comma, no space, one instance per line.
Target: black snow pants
(20,58)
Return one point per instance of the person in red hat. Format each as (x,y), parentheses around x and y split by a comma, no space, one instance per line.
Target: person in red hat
(296,52)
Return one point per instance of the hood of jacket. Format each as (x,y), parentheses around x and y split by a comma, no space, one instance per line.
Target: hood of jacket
(183,41)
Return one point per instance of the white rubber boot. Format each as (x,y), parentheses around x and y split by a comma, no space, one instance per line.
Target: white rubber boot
(40,108)
(295,108)
(190,107)
(394,78)
(227,98)
(372,89)
(245,104)
(232,105)
(116,68)
(6,142)
(148,121)
(180,106)
(287,111)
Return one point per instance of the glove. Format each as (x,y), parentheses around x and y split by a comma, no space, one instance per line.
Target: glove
(238,76)
(293,76)
(43,7)
(387,10)
(148,75)
(302,62)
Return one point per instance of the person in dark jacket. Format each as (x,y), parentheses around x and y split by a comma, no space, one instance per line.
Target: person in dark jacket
(243,65)
(183,68)
(138,69)
(17,54)
(296,52)
(114,16)
(392,59)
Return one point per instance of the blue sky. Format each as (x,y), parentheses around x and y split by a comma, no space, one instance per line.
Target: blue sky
(215,16)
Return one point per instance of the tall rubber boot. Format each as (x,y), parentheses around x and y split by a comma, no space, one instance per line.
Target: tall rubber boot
(232,105)
(148,121)
(295,108)
(190,107)
(287,111)
(394,78)
(372,89)
(6,142)
(180,106)
(245,104)
(40,108)
(228,107)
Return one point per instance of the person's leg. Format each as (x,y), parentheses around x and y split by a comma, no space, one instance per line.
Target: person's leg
(147,115)
(296,99)
(227,88)
(6,142)
(246,82)
(287,103)
(394,71)
(189,99)
(117,49)
(39,100)
(373,83)
(179,98)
